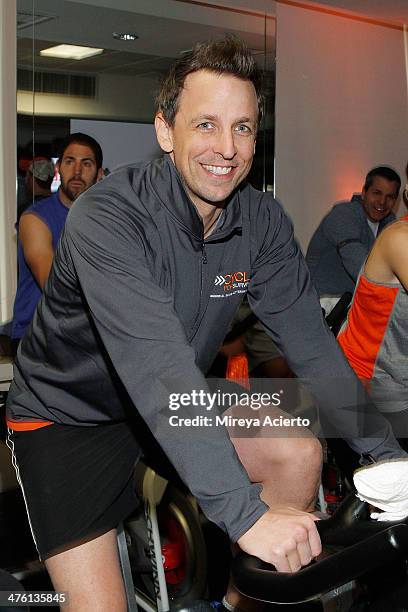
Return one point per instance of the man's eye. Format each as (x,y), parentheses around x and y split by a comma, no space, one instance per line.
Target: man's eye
(244,129)
(206,125)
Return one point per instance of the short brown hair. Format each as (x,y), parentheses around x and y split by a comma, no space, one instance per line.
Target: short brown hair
(86,141)
(384,172)
(227,56)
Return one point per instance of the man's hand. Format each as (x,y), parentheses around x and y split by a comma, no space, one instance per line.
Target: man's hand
(285,537)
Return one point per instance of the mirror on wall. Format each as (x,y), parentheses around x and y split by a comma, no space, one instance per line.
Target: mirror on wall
(111,94)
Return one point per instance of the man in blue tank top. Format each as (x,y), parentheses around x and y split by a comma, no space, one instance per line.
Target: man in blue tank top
(40,226)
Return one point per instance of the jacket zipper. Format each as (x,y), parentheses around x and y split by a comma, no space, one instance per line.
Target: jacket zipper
(203,263)
(197,319)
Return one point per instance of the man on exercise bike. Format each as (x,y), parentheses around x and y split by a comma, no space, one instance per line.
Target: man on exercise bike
(149,272)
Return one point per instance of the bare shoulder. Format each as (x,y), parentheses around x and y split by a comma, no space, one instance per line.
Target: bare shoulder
(389,255)
(400,225)
(33,230)
(394,235)
(394,250)
(29,221)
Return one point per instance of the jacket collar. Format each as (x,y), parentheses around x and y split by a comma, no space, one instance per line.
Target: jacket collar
(167,184)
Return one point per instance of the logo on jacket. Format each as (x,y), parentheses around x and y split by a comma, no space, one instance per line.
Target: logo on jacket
(231,284)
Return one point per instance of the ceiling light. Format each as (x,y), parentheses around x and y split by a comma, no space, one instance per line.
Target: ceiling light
(71,52)
(124,36)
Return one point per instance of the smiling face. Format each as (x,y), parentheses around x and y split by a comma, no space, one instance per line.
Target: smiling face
(212,140)
(379,199)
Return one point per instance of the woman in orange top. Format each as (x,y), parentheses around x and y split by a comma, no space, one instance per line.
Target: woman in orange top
(375,336)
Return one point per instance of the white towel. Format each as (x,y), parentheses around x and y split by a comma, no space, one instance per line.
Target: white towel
(385,486)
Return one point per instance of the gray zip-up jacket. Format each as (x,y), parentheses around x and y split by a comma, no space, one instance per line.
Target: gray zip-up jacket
(339,247)
(138,302)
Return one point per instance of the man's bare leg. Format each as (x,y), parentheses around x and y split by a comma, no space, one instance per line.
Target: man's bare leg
(289,469)
(90,575)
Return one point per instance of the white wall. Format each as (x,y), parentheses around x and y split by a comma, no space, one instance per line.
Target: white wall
(341,108)
(8,156)
(122,143)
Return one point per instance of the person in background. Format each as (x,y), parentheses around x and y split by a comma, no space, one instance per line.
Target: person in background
(248,336)
(374,337)
(344,237)
(37,182)
(41,224)
(38,179)
(405,192)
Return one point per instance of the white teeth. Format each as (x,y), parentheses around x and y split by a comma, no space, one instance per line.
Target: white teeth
(218,169)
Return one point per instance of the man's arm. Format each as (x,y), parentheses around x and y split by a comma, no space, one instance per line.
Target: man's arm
(343,230)
(281,295)
(36,240)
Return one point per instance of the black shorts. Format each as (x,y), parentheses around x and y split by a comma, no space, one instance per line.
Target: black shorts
(77,481)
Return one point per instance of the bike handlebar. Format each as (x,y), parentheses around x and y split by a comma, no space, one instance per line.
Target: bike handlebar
(366,545)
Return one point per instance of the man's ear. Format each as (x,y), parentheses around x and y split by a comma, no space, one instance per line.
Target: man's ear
(163,133)
(100,174)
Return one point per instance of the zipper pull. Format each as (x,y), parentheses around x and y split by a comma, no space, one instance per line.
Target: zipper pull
(204,254)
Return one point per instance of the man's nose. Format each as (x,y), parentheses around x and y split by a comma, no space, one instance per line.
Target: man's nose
(225,145)
(78,168)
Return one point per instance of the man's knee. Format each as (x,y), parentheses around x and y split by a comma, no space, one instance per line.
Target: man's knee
(314,452)
(309,454)
(303,453)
